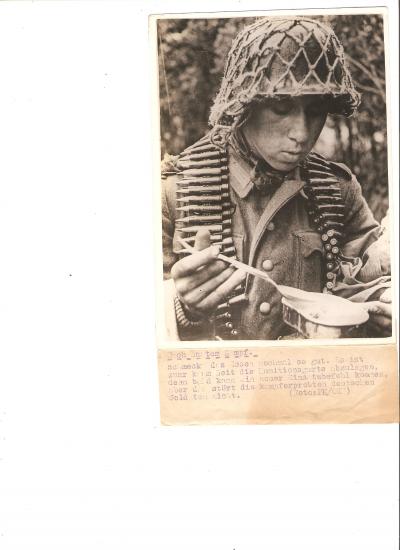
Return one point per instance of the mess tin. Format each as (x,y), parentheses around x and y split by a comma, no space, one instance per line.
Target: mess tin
(316,315)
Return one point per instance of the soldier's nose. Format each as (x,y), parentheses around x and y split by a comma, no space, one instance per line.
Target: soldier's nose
(298,130)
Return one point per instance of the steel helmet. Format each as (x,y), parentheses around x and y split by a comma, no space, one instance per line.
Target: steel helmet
(278,57)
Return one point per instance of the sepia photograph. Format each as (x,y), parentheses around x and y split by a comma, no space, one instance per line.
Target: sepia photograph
(274,177)
(199,229)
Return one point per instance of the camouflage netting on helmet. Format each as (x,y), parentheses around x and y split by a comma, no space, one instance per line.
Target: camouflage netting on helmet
(279,58)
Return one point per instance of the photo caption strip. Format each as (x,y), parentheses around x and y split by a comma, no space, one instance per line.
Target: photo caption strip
(286,385)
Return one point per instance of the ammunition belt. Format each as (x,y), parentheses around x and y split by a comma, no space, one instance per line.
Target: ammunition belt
(203,200)
(326,211)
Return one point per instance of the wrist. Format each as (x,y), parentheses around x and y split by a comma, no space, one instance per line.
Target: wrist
(185,317)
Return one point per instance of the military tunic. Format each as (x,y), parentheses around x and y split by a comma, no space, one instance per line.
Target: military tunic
(272,231)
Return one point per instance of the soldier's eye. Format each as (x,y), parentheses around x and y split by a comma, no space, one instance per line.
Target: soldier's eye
(282,107)
(319,107)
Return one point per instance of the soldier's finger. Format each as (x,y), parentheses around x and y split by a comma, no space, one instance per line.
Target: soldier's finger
(220,294)
(386,297)
(188,265)
(380,317)
(203,290)
(202,239)
(379,308)
(192,281)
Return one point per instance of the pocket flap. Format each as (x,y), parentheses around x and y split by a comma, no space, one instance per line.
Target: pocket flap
(310,242)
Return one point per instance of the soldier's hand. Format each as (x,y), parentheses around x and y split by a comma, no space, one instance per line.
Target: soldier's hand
(201,280)
(380,249)
(380,314)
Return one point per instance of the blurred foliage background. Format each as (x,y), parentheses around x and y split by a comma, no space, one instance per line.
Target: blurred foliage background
(192,55)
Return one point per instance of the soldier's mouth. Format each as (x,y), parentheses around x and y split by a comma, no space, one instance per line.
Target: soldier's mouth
(294,151)
(292,155)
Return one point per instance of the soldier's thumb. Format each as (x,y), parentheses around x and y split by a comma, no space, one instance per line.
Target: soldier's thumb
(203,239)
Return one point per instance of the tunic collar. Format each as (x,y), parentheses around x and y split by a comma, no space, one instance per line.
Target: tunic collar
(240,174)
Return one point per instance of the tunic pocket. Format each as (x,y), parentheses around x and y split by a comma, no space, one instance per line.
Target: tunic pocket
(309,259)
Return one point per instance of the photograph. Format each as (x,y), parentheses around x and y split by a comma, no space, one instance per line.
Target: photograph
(199,233)
(275,214)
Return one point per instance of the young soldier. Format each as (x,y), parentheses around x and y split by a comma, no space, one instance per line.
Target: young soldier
(253,189)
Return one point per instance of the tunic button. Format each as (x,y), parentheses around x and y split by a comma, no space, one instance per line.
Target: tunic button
(268,265)
(265,308)
(271,226)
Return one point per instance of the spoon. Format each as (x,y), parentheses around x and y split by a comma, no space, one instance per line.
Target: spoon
(288,292)
(325,309)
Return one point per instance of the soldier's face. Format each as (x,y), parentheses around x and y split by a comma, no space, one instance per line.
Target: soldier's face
(284,131)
